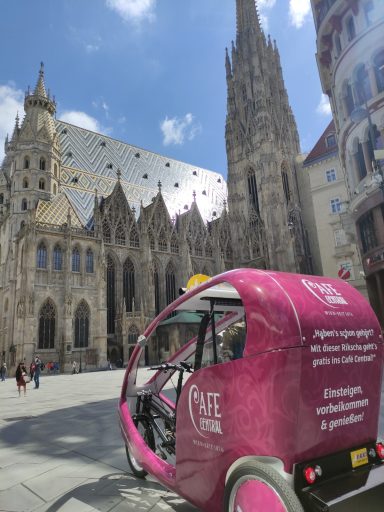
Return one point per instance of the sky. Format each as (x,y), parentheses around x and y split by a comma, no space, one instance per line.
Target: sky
(151,72)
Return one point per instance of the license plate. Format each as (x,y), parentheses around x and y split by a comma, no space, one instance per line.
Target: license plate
(359,457)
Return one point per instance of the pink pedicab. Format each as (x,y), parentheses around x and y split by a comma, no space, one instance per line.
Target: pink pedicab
(276,400)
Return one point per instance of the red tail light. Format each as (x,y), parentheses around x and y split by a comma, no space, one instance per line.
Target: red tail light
(310,474)
(380,450)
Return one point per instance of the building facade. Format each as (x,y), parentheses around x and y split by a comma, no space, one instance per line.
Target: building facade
(97,236)
(350,54)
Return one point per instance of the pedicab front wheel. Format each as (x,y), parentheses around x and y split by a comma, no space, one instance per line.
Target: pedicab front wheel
(145,430)
(255,487)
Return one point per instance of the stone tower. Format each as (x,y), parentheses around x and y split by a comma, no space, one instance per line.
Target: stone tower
(262,144)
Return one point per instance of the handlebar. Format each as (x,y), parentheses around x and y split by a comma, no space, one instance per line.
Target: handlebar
(182,366)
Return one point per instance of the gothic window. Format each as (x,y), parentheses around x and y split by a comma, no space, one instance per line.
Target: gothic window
(89,262)
(156,285)
(151,240)
(41,261)
(26,163)
(120,235)
(351,30)
(82,315)
(287,192)
(163,245)
(106,232)
(363,87)
(54,189)
(41,184)
(379,70)
(47,317)
(25,183)
(133,334)
(42,164)
(252,190)
(57,258)
(1,198)
(367,232)
(24,205)
(55,170)
(174,244)
(208,250)
(111,299)
(198,248)
(75,260)
(170,283)
(129,284)
(134,238)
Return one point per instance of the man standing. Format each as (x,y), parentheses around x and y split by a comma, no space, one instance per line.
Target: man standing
(3,371)
(36,375)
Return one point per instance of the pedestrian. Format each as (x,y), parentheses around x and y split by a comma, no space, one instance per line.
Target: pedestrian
(56,367)
(74,367)
(21,375)
(3,371)
(31,369)
(36,374)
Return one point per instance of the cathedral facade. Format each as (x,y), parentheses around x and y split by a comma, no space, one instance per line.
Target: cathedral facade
(97,236)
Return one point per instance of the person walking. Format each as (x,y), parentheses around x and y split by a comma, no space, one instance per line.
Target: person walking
(21,374)
(3,371)
(36,374)
(74,367)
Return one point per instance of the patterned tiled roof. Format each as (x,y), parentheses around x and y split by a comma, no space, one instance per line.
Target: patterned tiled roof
(56,211)
(90,162)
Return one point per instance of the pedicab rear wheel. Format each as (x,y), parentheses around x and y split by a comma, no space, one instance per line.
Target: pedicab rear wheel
(145,430)
(256,487)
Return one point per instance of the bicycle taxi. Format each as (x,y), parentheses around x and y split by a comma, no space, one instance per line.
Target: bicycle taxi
(277,398)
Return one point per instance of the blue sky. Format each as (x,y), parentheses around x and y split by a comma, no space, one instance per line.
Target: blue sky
(151,72)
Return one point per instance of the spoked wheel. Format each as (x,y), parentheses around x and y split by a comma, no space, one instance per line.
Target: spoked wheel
(145,430)
(256,487)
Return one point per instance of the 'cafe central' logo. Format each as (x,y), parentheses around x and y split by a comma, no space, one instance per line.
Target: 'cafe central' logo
(204,409)
(325,293)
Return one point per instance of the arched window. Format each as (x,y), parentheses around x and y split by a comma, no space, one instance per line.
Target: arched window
(361,161)
(25,183)
(151,240)
(26,162)
(287,192)
(54,189)
(1,198)
(349,98)
(47,317)
(106,232)
(57,258)
(156,285)
(111,299)
(351,30)
(41,184)
(198,248)
(170,283)
(163,245)
(82,315)
(75,260)
(379,70)
(24,205)
(120,235)
(133,334)
(89,262)
(42,164)
(208,250)
(41,260)
(174,244)
(55,171)
(134,238)
(337,44)
(128,284)
(252,190)
(363,87)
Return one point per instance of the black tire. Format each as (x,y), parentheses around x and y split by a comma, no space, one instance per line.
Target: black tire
(258,471)
(145,430)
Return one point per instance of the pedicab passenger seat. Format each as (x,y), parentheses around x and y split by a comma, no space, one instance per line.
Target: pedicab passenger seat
(340,489)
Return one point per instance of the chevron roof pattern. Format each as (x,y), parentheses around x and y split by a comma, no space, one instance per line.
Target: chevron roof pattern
(56,211)
(90,162)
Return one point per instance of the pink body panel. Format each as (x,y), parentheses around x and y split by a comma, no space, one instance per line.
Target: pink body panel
(308,385)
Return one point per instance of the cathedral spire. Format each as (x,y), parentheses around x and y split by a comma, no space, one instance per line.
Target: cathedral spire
(40,86)
(247,16)
(16,129)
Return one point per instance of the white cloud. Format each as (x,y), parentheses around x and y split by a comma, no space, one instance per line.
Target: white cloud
(264,5)
(91,48)
(176,130)
(11,103)
(133,10)
(82,120)
(299,12)
(324,108)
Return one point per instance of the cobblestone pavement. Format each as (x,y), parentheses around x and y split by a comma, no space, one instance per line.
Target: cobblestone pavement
(61,450)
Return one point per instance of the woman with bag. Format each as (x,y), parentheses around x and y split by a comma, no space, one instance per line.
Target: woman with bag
(21,378)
